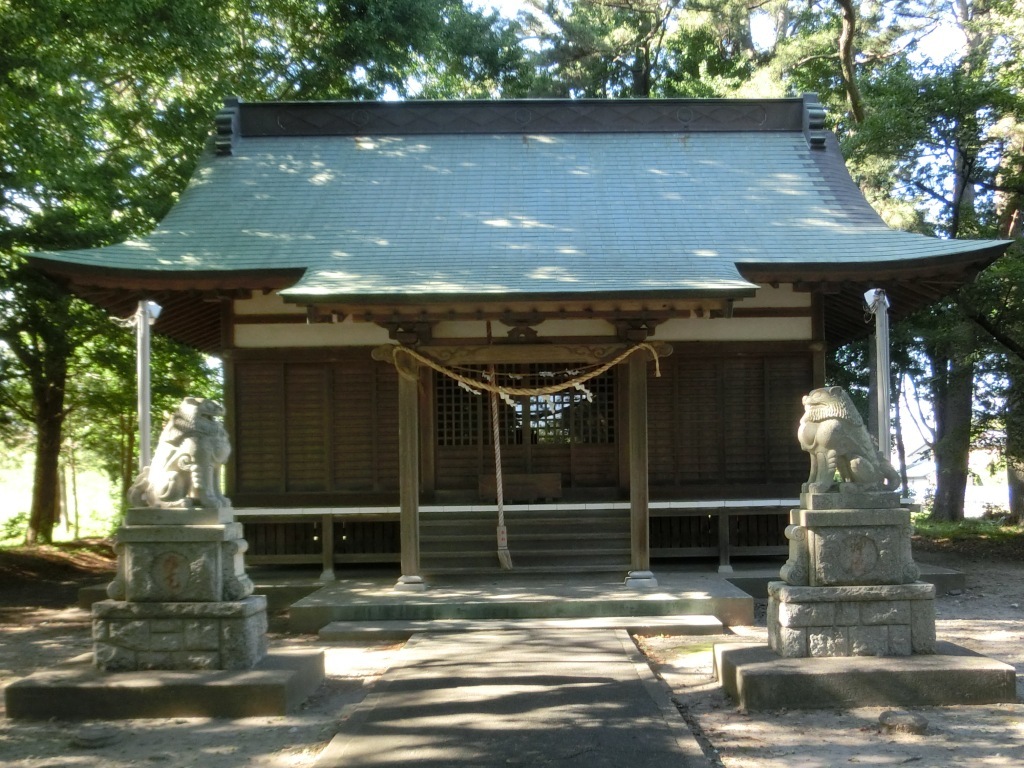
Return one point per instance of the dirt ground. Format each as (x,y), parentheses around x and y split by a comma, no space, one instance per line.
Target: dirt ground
(38,628)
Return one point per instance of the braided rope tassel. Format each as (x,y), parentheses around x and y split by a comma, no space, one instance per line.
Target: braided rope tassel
(504,556)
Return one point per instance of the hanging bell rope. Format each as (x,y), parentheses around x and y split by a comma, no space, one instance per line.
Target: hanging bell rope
(504,556)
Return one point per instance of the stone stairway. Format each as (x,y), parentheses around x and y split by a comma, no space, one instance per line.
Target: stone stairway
(542,539)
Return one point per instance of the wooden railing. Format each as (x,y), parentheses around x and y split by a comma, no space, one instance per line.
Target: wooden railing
(329,536)
(726,528)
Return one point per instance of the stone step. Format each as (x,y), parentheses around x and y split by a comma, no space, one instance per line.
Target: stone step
(462,541)
(492,568)
(311,613)
(527,528)
(601,558)
(522,539)
(340,631)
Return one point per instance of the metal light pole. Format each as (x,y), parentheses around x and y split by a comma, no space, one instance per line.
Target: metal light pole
(878,305)
(145,316)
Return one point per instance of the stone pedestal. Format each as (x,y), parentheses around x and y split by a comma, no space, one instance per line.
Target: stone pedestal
(893,620)
(180,598)
(216,635)
(850,585)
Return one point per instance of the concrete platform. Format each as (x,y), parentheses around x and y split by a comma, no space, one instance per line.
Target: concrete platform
(280,591)
(754,581)
(757,679)
(338,631)
(495,699)
(78,691)
(511,595)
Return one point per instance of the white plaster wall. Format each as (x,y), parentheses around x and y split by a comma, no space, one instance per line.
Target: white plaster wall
(735,329)
(344,334)
(783,296)
(266,304)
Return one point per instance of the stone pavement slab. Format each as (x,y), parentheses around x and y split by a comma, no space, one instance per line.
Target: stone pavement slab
(635,625)
(530,697)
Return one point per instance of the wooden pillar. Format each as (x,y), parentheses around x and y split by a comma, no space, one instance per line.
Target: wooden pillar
(327,546)
(409,477)
(640,575)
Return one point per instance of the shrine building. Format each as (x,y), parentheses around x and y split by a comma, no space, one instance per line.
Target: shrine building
(651,285)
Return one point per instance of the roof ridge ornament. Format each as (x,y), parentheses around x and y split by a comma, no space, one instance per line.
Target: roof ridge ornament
(227,125)
(814,122)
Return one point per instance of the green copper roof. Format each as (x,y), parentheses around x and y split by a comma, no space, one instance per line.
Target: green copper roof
(370,212)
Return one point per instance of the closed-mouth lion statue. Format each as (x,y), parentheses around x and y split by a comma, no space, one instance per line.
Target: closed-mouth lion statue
(185,471)
(834,435)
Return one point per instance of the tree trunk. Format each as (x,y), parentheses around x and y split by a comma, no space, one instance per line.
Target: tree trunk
(901,447)
(49,423)
(953,388)
(847,64)
(1015,443)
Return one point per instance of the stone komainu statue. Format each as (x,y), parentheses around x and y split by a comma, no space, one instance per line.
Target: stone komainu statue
(833,433)
(185,471)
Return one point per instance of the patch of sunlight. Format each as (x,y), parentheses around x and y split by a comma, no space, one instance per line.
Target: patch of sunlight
(557,274)
(140,245)
(322,178)
(520,222)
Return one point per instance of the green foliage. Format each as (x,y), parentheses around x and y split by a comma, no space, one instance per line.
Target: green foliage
(104,107)
(102,420)
(366,49)
(639,48)
(13,528)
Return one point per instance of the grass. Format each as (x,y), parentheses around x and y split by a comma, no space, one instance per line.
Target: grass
(974,538)
(971,528)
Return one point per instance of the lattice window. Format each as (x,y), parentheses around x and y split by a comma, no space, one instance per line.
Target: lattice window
(570,416)
(459,414)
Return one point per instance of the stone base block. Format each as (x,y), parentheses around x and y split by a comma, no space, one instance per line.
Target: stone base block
(179,562)
(757,679)
(178,636)
(849,547)
(850,496)
(78,691)
(894,620)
